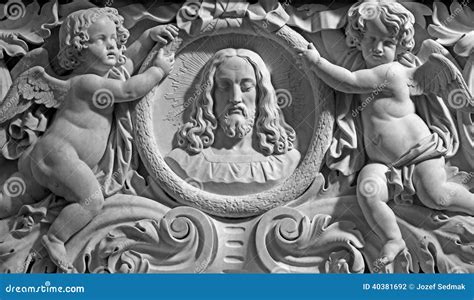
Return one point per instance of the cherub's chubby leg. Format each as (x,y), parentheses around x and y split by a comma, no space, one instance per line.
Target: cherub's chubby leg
(372,195)
(67,176)
(20,189)
(435,192)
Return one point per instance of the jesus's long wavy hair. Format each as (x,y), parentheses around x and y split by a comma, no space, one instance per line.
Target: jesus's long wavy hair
(274,135)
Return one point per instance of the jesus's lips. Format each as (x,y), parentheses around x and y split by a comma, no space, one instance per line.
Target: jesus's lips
(237,110)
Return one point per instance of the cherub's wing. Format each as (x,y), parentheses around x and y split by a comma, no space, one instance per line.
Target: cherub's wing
(438,75)
(32,86)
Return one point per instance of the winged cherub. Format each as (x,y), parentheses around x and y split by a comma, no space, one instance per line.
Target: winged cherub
(91,44)
(398,142)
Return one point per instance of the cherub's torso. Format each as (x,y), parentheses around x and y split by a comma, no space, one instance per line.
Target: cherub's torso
(81,126)
(390,123)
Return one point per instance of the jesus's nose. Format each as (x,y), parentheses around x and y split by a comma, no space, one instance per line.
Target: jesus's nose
(236,96)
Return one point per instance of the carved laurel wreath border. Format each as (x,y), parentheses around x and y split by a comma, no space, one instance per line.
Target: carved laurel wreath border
(246,205)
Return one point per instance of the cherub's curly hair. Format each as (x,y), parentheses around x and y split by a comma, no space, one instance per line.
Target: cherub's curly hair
(274,135)
(398,20)
(73,34)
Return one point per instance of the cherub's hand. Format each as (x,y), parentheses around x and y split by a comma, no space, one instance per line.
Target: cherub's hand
(163,33)
(165,62)
(309,56)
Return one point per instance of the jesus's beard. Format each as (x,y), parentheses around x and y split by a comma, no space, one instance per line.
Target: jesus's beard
(236,125)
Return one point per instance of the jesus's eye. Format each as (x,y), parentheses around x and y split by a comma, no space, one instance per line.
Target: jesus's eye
(247,87)
(223,86)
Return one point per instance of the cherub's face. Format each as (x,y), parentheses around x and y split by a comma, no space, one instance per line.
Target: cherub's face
(235,96)
(101,53)
(378,46)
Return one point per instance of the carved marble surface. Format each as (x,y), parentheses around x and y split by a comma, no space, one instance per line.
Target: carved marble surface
(154,220)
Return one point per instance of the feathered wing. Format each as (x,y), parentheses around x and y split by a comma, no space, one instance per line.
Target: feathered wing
(32,86)
(438,75)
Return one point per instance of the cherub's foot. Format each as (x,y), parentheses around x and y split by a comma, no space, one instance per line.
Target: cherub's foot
(390,250)
(57,253)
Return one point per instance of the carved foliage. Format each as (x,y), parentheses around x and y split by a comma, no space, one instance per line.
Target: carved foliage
(437,240)
(22,23)
(288,241)
(455,28)
(181,241)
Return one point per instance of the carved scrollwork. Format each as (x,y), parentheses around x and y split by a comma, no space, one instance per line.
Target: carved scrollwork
(322,228)
(288,241)
(438,241)
(180,241)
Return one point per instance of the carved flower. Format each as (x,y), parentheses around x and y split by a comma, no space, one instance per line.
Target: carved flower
(22,24)
(23,225)
(455,28)
(338,262)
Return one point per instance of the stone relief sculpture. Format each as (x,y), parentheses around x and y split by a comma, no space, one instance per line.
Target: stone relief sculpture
(237,113)
(285,138)
(92,43)
(411,159)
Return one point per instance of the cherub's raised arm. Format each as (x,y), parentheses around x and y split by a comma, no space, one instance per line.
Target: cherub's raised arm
(122,91)
(135,87)
(139,49)
(341,79)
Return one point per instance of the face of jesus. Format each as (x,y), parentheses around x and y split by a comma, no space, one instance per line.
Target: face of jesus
(235,94)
